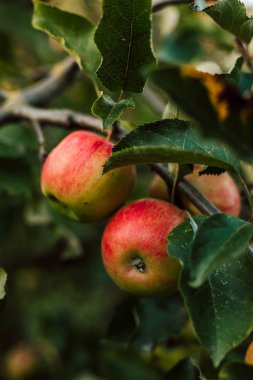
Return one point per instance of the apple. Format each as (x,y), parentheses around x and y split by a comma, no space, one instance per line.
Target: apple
(72,178)
(29,360)
(249,354)
(221,190)
(134,247)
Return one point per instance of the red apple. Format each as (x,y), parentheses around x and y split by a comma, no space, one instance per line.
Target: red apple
(134,247)
(221,190)
(72,178)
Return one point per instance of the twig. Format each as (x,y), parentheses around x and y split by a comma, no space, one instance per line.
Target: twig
(160,5)
(21,105)
(41,140)
(45,90)
(185,189)
(58,117)
(154,100)
(243,50)
(41,92)
(166,3)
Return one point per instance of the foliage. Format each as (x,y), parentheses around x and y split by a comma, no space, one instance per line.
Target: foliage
(57,298)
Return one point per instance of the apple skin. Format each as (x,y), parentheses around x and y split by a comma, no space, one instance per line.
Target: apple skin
(221,190)
(249,355)
(72,178)
(134,247)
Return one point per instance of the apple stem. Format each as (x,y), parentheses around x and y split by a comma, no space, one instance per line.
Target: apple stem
(139,264)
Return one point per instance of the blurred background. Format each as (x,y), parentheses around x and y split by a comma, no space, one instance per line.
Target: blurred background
(60,302)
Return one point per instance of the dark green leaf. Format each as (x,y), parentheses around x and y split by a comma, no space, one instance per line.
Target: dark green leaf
(180,47)
(143,324)
(16,140)
(109,110)
(221,309)
(157,320)
(15,176)
(184,370)
(231,16)
(169,141)
(123,37)
(72,31)
(214,103)
(220,238)
(128,365)
(236,370)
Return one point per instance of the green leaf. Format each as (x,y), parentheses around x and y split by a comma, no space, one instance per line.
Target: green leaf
(109,110)
(16,140)
(220,238)
(236,370)
(143,324)
(184,370)
(231,16)
(123,38)
(3,279)
(72,31)
(215,104)
(181,46)
(169,141)
(16,176)
(116,363)
(221,309)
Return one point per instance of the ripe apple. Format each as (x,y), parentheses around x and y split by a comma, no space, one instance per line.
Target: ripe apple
(134,247)
(249,354)
(72,178)
(221,190)
(30,360)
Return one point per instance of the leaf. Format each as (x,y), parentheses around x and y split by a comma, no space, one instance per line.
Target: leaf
(214,103)
(16,141)
(181,46)
(169,141)
(143,324)
(220,238)
(109,110)
(117,366)
(73,32)
(184,370)
(236,370)
(123,38)
(221,309)
(231,16)
(16,176)
(3,279)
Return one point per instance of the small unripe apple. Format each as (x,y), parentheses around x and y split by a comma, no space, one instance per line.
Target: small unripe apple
(221,190)
(134,247)
(72,178)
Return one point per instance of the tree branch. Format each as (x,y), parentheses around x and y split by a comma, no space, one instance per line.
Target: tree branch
(166,3)
(46,89)
(58,117)
(21,106)
(41,141)
(160,5)
(185,189)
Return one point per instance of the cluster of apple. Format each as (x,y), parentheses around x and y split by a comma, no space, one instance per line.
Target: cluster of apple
(134,243)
